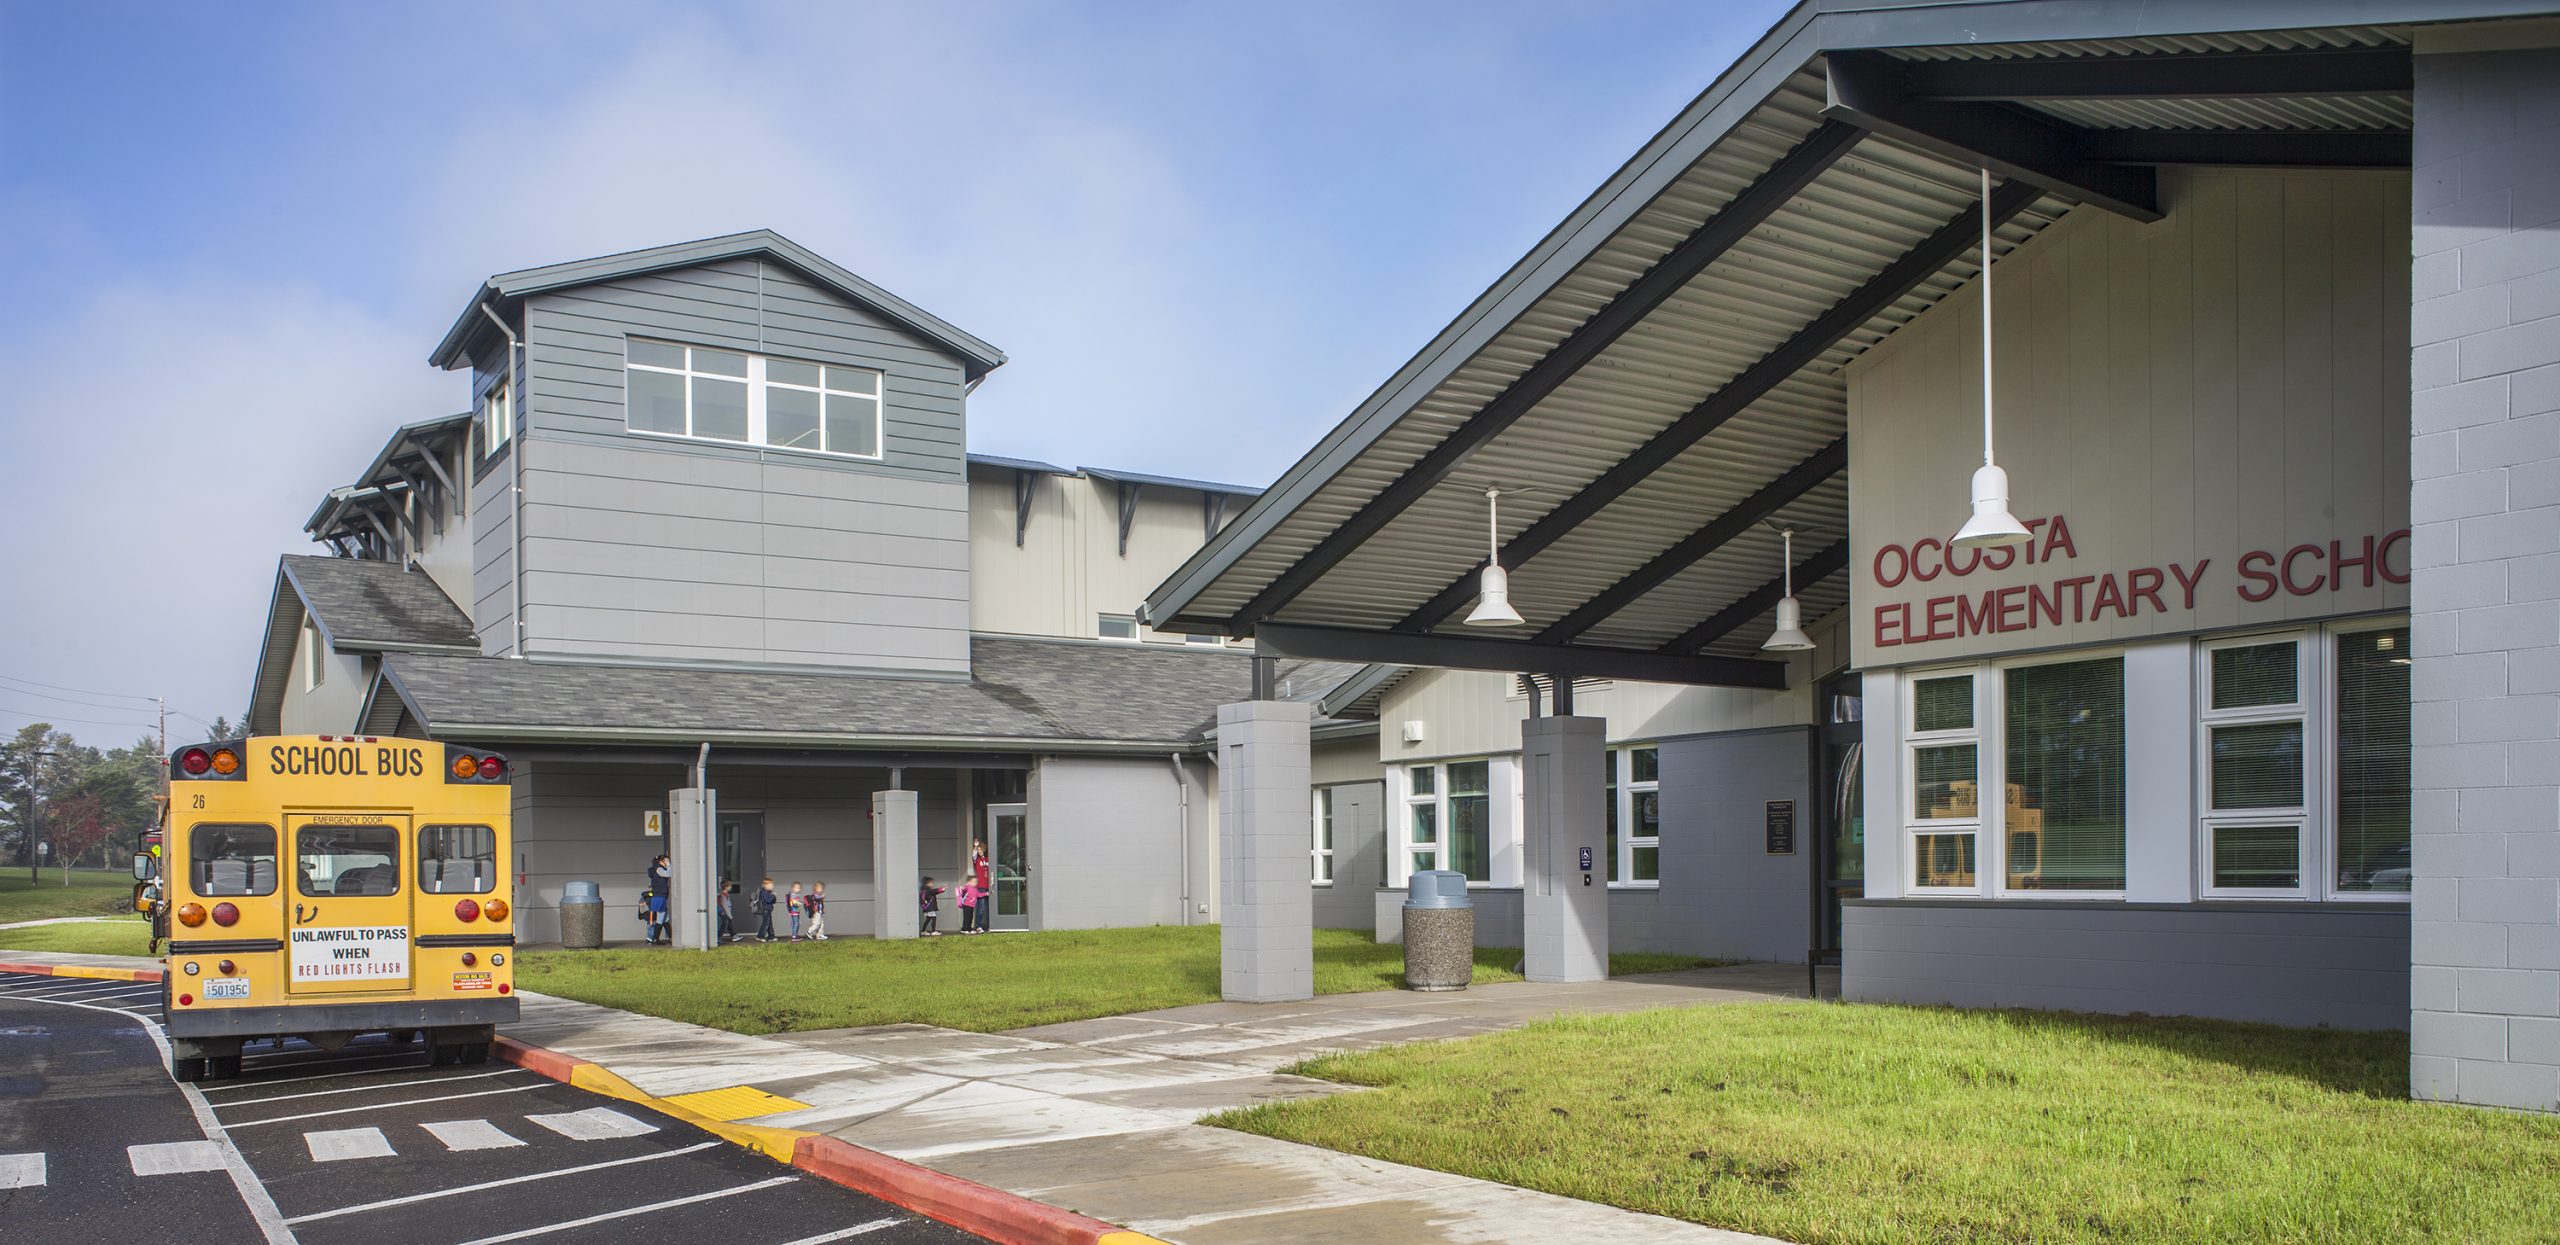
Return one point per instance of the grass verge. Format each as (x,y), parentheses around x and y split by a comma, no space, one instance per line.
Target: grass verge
(1879,1125)
(122,936)
(93,892)
(985,984)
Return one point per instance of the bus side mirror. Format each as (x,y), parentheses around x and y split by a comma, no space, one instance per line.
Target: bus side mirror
(144,867)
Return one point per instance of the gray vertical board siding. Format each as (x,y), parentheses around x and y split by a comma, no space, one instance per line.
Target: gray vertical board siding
(646,549)
(2484,454)
(2339,965)
(1106,848)
(1722,894)
(1358,810)
(581,821)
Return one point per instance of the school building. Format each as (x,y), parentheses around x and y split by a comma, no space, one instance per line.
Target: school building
(2045,504)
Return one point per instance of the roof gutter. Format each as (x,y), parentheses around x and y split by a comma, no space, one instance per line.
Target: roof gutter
(985,743)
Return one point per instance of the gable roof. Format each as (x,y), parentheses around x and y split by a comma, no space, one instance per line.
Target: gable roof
(1054,695)
(358,606)
(500,292)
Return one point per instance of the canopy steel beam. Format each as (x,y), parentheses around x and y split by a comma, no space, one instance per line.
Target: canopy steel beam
(1760,600)
(2195,75)
(1562,661)
(1773,190)
(1899,278)
(2296,149)
(1800,479)
(1867,89)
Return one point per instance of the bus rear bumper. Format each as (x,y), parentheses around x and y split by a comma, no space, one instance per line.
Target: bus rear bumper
(247,1022)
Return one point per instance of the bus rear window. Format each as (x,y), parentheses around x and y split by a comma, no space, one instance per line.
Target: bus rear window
(457,860)
(361,861)
(231,860)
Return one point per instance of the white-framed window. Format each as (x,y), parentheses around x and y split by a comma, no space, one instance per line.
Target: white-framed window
(709,394)
(1115,626)
(497,418)
(2258,772)
(2368,754)
(1448,822)
(1321,854)
(315,657)
(1632,809)
(1197,637)
(2062,750)
(1941,805)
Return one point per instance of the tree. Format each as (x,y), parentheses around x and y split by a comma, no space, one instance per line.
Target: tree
(74,825)
(35,764)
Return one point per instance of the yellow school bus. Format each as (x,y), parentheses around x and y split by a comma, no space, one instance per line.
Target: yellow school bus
(323,886)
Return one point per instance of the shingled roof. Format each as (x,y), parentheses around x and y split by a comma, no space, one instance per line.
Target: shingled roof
(1051,693)
(359,606)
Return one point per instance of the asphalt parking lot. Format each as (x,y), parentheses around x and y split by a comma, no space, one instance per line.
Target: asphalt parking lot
(368,1144)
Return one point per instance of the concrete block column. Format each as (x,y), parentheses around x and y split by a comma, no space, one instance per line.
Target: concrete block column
(894,873)
(2484,593)
(689,856)
(1564,908)
(1266,939)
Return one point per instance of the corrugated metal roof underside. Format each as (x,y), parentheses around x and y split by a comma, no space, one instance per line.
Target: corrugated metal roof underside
(1868,210)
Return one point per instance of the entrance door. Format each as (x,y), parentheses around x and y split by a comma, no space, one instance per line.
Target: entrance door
(350,897)
(1009,862)
(742,864)
(1842,870)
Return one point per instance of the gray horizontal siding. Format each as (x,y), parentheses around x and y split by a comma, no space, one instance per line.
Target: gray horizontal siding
(2340,965)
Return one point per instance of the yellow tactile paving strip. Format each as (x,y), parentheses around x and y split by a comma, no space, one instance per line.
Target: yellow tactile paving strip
(737,1102)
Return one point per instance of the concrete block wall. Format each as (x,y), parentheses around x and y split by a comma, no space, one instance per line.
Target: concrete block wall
(2485,591)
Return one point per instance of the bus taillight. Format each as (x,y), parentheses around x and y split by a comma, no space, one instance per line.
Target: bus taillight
(491,767)
(195,760)
(495,909)
(466,910)
(465,765)
(226,914)
(226,762)
(191,915)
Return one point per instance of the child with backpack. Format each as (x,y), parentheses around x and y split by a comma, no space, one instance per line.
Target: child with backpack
(969,897)
(792,905)
(765,899)
(928,910)
(816,905)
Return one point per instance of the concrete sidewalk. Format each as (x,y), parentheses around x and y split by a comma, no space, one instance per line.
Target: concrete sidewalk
(1098,1116)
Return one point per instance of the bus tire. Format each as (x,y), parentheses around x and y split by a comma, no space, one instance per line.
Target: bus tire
(186,1071)
(476,1054)
(223,1067)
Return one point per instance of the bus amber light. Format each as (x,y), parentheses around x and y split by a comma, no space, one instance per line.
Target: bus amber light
(226,914)
(195,760)
(191,915)
(495,909)
(226,762)
(465,910)
(465,765)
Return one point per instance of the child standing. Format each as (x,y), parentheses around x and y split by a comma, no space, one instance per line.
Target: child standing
(791,904)
(728,927)
(765,899)
(968,907)
(816,903)
(928,910)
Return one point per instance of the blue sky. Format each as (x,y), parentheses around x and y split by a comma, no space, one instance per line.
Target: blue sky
(1202,232)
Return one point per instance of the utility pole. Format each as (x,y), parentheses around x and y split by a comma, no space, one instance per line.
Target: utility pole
(35,813)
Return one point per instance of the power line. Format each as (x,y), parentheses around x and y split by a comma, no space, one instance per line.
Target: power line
(85,691)
(68,700)
(51,718)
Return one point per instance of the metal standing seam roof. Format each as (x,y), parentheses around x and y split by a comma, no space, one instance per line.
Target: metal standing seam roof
(1025,692)
(1861,214)
(978,357)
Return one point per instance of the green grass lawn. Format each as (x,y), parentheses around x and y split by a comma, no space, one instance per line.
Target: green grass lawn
(1879,1124)
(126,936)
(984,984)
(93,892)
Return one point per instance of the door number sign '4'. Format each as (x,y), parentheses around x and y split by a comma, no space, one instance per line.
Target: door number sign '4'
(351,953)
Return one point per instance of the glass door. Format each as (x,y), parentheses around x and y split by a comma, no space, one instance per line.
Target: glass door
(1009,861)
(1843,841)
(350,930)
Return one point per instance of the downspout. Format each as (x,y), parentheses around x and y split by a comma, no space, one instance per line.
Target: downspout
(515,474)
(1182,825)
(710,848)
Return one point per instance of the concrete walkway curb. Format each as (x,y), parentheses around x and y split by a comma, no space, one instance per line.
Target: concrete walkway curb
(999,1216)
(83,970)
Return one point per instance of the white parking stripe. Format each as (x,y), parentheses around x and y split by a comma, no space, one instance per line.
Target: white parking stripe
(230,1103)
(339,1145)
(500,1184)
(609,1216)
(264,1081)
(857,1230)
(470,1135)
(21,1171)
(593,1124)
(173,1157)
(384,1106)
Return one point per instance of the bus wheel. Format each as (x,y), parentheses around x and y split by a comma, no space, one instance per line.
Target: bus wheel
(224,1067)
(186,1071)
(476,1053)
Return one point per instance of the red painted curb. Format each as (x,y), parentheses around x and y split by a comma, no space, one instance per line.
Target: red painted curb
(538,1060)
(1006,1218)
(99,974)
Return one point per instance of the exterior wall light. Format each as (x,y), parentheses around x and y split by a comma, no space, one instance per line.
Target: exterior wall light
(1790,636)
(1493,606)
(1992,525)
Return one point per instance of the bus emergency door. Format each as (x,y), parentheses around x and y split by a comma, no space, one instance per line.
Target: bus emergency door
(349,903)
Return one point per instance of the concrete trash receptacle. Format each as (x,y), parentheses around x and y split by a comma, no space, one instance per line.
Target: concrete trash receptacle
(581,917)
(1439,932)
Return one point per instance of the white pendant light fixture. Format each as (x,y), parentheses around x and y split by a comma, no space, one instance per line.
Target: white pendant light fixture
(1493,606)
(1790,636)
(1992,525)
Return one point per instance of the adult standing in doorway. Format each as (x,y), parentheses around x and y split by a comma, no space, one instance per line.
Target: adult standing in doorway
(661,885)
(982,875)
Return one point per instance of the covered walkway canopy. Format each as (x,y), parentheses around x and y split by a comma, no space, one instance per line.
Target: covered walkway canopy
(1660,381)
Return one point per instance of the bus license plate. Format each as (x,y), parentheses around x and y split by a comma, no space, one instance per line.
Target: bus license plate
(226,988)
